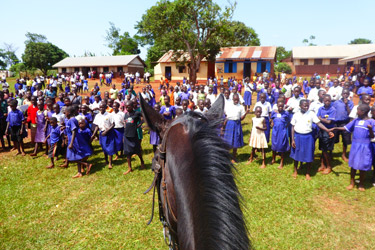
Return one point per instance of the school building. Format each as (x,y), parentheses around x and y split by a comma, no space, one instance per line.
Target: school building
(102,64)
(333,59)
(239,62)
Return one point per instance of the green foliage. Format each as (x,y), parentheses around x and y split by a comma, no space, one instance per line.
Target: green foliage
(282,53)
(8,56)
(192,26)
(283,67)
(121,44)
(240,35)
(41,54)
(18,68)
(360,41)
(309,41)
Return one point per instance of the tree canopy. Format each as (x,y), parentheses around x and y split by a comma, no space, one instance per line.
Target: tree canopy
(8,56)
(282,53)
(121,44)
(309,41)
(196,27)
(360,41)
(41,54)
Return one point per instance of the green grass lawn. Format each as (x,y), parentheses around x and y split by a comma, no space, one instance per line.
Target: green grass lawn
(47,209)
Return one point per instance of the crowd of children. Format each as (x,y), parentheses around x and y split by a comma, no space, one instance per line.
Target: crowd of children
(291,117)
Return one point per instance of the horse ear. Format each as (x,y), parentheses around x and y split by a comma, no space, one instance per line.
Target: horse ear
(217,109)
(154,120)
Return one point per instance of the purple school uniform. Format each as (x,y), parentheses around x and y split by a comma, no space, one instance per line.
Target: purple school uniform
(365,90)
(361,152)
(329,114)
(72,154)
(49,115)
(185,96)
(154,138)
(342,114)
(170,109)
(280,137)
(83,137)
(40,135)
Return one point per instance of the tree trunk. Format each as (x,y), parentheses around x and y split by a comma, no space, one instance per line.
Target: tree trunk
(194,68)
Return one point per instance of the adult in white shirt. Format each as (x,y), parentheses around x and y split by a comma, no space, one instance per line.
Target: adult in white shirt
(335,91)
(313,95)
(5,85)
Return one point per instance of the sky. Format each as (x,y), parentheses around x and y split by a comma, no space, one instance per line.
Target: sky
(77,26)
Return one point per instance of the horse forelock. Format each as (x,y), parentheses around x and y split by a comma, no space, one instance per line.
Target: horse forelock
(221,224)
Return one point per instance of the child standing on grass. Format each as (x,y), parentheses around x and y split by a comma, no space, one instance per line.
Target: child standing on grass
(327,116)
(361,152)
(373,146)
(154,137)
(83,138)
(40,136)
(15,127)
(303,141)
(104,123)
(119,120)
(258,138)
(55,140)
(132,144)
(280,136)
(233,134)
(266,111)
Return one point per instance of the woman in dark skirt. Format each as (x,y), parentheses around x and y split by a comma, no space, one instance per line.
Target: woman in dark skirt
(132,144)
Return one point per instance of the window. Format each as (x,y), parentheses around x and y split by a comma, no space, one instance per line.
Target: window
(334,61)
(76,69)
(63,70)
(181,69)
(349,64)
(318,61)
(363,62)
(230,67)
(105,69)
(304,61)
(119,69)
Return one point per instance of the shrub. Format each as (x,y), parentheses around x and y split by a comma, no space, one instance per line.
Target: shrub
(283,67)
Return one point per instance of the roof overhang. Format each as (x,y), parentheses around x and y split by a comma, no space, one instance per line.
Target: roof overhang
(358,57)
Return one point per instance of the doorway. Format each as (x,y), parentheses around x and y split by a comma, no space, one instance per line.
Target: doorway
(246,69)
(168,73)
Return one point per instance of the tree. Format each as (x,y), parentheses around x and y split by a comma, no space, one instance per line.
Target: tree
(282,53)
(240,35)
(121,44)
(283,67)
(8,53)
(198,28)
(18,68)
(309,42)
(88,54)
(360,41)
(41,54)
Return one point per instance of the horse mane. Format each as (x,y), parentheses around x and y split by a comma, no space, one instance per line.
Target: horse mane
(221,221)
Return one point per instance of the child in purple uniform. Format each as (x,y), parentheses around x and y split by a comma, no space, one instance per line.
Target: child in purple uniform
(15,127)
(361,152)
(40,135)
(55,141)
(83,138)
(365,89)
(168,111)
(154,137)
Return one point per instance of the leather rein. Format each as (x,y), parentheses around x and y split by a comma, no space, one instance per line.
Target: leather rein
(159,169)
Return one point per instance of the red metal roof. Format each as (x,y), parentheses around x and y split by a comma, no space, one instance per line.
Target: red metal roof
(251,52)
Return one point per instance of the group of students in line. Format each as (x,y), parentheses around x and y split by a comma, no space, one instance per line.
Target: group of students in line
(298,115)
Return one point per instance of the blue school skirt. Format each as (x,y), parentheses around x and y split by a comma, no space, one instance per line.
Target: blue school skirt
(268,130)
(119,134)
(247,98)
(154,138)
(233,134)
(305,147)
(361,154)
(108,142)
(280,138)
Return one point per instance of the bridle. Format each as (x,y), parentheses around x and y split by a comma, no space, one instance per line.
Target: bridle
(166,214)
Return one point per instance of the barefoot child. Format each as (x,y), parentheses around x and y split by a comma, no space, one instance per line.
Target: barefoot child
(119,120)
(55,140)
(373,147)
(258,138)
(361,152)
(303,142)
(233,134)
(266,111)
(40,135)
(131,141)
(280,137)
(154,137)
(83,138)
(15,127)
(104,123)
(327,116)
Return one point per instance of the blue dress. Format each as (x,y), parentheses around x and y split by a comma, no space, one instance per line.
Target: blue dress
(233,134)
(154,138)
(83,138)
(361,152)
(108,142)
(280,138)
(49,128)
(72,154)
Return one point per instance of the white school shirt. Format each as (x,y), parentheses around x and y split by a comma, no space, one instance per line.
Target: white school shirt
(247,87)
(103,121)
(294,103)
(95,105)
(313,95)
(200,111)
(60,117)
(266,108)
(303,122)
(239,97)
(234,112)
(212,98)
(353,113)
(335,93)
(315,106)
(119,119)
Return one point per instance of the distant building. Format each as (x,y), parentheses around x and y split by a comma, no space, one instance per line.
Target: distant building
(242,62)
(174,70)
(308,60)
(116,64)
(239,62)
